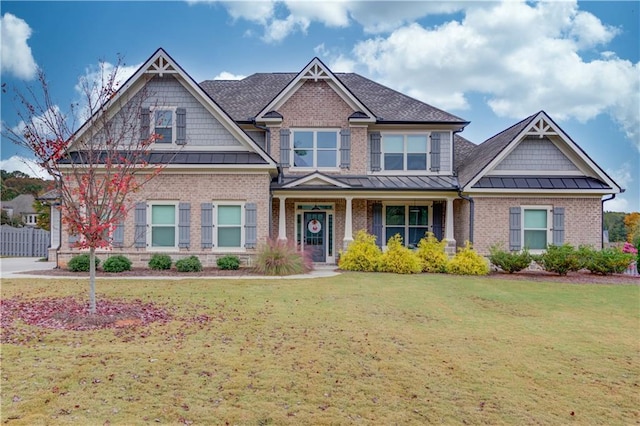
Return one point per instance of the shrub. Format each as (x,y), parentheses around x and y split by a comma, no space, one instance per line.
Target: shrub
(80,263)
(117,263)
(279,257)
(431,253)
(189,264)
(559,259)
(468,262)
(362,254)
(606,261)
(228,262)
(399,259)
(509,261)
(160,261)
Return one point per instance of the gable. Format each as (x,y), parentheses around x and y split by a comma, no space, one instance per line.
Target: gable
(205,130)
(535,154)
(315,104)
(315,71)
(202,125)
(525,156)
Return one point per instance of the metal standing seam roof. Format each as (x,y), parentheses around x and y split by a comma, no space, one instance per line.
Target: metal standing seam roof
(244,99)
(188,157)
(400,183)
(540,182)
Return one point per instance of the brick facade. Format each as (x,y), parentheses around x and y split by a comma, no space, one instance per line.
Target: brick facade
(194,189)
(583,220)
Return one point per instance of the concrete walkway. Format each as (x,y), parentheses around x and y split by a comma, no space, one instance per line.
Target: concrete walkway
(16,267)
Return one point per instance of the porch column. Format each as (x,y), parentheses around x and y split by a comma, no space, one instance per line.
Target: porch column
(282,220)
(348,223)
(448,229)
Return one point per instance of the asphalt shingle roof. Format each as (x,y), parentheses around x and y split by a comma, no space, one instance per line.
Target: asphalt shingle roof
(244,99)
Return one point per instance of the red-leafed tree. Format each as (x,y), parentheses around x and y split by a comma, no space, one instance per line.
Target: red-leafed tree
(96,167)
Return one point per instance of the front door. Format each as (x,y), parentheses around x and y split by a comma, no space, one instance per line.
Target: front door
(315,235)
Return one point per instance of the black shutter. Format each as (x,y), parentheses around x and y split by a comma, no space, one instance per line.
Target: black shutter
(558,226)
(437,219)
(375,151)
(140,225)
(345,148)
(145,122)
(181,126)
(515,228)
(250,225)
(377,224)
(435,152)
(206,222)
(184,225)
(285,147)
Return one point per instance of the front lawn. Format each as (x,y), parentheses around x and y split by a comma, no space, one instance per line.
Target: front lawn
(356,348)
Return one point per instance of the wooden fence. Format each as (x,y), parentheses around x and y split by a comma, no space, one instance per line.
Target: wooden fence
(23,242)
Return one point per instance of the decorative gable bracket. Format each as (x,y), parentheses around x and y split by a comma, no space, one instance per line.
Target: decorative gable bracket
(315,73)
(160,67)
(541,129)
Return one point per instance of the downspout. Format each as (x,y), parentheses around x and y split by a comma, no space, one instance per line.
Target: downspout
(602,217)
(471,213)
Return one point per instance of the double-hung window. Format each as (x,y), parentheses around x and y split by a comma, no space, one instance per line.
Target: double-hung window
(229,226)
(404,152)
(411,222)
(163,124)
(163,225)
(536,227)
(315,149)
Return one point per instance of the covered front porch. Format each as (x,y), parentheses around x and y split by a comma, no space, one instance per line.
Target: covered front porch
(325,221)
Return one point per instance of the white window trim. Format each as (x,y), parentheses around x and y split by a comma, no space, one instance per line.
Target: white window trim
(152,125)
(549,210)
(150,205)
(406,204)
(216,205)
(404,152)
(315,130)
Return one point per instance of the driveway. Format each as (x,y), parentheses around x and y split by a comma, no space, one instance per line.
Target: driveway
(13,266)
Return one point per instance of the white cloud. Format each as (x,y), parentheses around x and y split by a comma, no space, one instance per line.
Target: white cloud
(16,57)
(521,57)
(50,124)
(91,84)
(25,165)
(224,75)
(623,175)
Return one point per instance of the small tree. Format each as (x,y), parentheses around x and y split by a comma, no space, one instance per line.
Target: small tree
(96,167)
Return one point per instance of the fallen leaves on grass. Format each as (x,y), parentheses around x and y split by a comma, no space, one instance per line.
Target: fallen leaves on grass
(68,313)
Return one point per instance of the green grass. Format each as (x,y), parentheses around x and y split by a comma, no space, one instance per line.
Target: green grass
(357,348)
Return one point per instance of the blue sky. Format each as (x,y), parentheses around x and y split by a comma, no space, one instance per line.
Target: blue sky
(490,63)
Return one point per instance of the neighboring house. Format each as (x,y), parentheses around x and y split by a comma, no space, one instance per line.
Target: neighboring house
(314,156)
(22,207)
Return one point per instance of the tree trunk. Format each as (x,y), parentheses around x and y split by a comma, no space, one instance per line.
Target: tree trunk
(92,280)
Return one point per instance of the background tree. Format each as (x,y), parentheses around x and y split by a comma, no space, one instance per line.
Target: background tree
(16,183)
(614,223)
(97,167)
(632,224)
(43,220)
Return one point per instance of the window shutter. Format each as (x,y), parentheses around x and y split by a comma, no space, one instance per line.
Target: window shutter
(515,229)
(181,126)
(345,148)
(437,219)
(140,225)
(184,225)
(375,151)
(377,223)
(118,235)
(206,221)
(435,152)
(145,122)
(558,226)
(250,225)
(285,147)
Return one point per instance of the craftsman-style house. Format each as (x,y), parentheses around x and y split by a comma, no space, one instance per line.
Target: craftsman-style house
(314,156)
